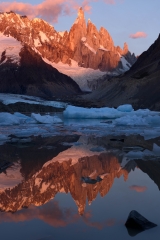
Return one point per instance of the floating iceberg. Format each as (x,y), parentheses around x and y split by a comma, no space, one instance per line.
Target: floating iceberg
(9,119)
(92,113)
(47,119)
(125,108)
(124,115)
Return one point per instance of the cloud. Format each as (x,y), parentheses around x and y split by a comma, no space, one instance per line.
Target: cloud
(50,213)
(138,188)
(99,225)
(48,9)
(138,35)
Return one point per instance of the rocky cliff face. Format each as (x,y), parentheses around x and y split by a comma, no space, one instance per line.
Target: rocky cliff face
(95,49)
(86,45)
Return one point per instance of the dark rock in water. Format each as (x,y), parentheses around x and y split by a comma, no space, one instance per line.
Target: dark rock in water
(118,140)
(136,223)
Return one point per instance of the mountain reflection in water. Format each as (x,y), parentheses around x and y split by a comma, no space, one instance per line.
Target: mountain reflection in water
(56,165)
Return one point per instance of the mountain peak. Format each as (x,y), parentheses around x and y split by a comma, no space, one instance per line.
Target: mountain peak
(125,48)
(80,13)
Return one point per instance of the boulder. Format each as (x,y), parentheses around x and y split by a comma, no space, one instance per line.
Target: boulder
(136,223)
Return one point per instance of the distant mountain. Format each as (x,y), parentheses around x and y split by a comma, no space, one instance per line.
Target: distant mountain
(139,86)
(83,45)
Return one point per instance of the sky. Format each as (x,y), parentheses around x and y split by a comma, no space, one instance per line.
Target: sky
(133,21)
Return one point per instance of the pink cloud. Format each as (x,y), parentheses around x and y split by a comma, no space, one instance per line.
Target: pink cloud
(99,225)
(50,213)
(138,35)
(138,188)
(49,10)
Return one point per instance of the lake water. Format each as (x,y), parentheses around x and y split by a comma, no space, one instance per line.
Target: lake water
(44,194)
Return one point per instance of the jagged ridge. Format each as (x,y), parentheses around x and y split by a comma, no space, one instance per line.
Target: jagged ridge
(86,45)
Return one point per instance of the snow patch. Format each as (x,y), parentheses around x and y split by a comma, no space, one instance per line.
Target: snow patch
(126,65)
(43,37)
(61,33)
(102,48)
(37,43)
(11,47)
(90,48)
(83,39)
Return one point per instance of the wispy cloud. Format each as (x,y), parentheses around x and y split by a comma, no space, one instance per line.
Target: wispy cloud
(138,35)
(138,188)
(49,10)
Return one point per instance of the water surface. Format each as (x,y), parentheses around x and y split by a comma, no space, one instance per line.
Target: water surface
(43,194)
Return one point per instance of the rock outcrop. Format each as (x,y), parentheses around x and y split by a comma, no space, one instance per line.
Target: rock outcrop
(95,49)
(136,223)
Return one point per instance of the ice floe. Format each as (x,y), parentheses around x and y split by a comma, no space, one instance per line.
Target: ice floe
(82,121)
(47,119)
(123,115)
(7,98)
(18,119)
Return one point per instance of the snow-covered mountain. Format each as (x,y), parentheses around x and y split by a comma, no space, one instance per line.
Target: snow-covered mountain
(83,46)
(23,71)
